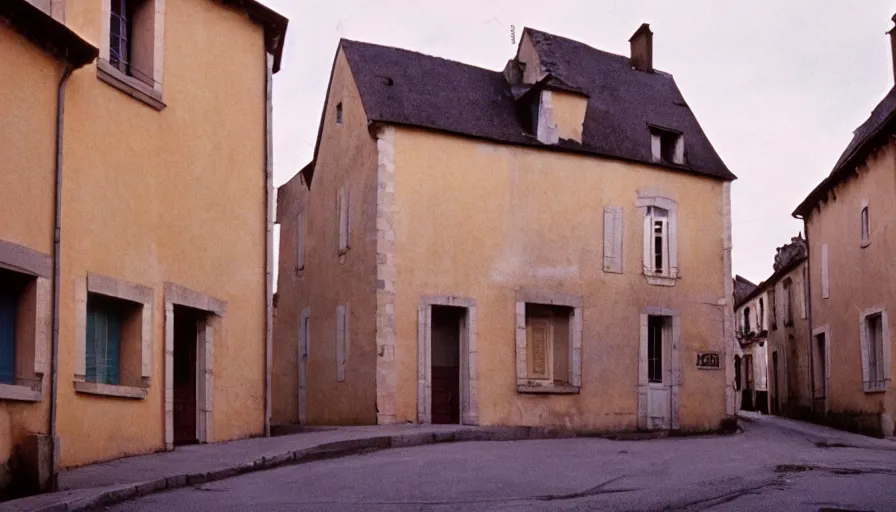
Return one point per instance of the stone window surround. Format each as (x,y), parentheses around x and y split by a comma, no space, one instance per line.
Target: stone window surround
(575,302)
(469,401)
(675,361)
(106,72)
(182,296)
(122,290)
(29,386)
(671,207)
(864,213)
(882,384)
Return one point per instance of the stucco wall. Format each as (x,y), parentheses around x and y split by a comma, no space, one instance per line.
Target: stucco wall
(28,138)
(790,341)
(480,220)
(347,158)
(169,196)
(860,278)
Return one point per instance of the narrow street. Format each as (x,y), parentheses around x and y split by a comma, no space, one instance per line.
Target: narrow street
(769,466)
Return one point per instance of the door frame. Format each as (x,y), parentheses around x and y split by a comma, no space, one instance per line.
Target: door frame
(205,339)
(675,367)
(469,405)
(826,357)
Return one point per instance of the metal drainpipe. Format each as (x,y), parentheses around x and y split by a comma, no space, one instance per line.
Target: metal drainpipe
(269,238)
(57,231)
(808,285)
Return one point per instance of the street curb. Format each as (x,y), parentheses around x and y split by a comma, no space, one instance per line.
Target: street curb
(331,450)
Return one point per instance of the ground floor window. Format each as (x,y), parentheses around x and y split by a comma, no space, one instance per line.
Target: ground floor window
(549,337)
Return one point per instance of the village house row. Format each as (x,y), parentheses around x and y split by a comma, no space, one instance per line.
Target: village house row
(547,246)
(814,338)
(136,212)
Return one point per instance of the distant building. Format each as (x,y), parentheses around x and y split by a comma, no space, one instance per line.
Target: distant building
(848,219)
(549,245)
(772,369)
(133,227)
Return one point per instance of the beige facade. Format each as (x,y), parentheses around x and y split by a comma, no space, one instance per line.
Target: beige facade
(532,260)
(163,219)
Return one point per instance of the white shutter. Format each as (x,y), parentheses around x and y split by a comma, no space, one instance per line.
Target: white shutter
(672,241)
(648,242)
(656,147)
(885,345)
(613,239)
(340,343)
(825,283)
(679,150)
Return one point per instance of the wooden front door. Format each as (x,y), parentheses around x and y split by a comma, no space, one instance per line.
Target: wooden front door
(185,327)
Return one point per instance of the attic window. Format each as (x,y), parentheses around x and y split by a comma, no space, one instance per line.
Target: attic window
(339,113)
(667,146)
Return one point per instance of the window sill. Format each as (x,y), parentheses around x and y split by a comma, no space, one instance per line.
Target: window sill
(19,393)
(95,388)
(875,387)
(129,85)
(548,390)
(659,280)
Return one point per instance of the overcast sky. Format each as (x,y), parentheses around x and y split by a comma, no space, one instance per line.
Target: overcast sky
(778,86)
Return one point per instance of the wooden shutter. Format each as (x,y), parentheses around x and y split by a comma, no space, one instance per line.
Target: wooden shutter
(540,348)
(300,241)
(8,306)
(825,283)
(613,239)
(340,343)
(342,215)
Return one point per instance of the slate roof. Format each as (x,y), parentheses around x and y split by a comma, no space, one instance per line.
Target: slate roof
(408,88)
(742,288)
(866,137)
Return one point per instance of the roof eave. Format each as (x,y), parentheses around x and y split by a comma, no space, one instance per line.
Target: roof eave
(772,280)
(274,25)
(48,33)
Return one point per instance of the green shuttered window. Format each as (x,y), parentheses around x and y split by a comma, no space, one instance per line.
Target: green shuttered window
(103,340)
(8,306)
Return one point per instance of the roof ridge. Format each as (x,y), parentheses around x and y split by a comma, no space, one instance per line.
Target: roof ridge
(405,50)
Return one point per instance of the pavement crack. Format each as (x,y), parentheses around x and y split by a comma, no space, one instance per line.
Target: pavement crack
(593,491)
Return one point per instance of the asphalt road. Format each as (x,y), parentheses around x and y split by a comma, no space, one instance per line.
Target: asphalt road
(764,468)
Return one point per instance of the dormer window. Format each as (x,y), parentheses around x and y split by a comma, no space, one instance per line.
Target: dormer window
(667,146)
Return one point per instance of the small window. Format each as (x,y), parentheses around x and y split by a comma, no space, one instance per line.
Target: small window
(658,244)
(300,241)
(771,307)
(131,38)
(866,228)
(876,353)
(344,226)
(339,113)
(113,341)
(788,302)
(12,293)
(667,146)
(747,320)
(760,320)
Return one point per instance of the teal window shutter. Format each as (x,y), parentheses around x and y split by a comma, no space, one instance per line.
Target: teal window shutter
(8,306)
(103,341)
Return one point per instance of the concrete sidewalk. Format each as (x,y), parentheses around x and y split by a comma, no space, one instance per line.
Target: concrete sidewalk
(820,435)
(101,484)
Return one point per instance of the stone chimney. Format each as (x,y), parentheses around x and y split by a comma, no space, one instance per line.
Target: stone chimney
(892,33)
(642,48)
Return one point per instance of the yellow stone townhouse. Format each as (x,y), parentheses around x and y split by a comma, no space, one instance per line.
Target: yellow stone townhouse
(135,249)
(546,246)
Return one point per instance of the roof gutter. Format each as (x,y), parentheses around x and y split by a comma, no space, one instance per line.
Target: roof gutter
(57,258)
(269,236)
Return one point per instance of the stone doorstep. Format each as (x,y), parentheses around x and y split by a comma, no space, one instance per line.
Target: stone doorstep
(96,499)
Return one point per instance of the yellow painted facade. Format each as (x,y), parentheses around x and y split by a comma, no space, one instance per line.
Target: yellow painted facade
(859,279)
(150,198)
(27,134)
(479,222)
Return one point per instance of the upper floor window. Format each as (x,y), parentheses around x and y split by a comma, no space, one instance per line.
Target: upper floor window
(131,49)
(760,320)
(667,146)
(866,227)
(343,224)
(660,242)
(339,113)
(788,302)
(747,320)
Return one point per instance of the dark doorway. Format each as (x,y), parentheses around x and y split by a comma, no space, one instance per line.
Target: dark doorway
(186,324)
(819,373)
(445,349)
(776,385)
(747,398)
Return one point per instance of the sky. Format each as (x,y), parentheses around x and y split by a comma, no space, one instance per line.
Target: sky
(778,86)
